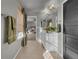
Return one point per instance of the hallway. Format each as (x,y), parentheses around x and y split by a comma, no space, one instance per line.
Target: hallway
(39,29)
(33,50)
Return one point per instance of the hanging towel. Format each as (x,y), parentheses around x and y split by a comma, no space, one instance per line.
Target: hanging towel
(11,32)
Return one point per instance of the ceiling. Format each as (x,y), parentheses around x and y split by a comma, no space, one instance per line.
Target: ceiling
(33,7)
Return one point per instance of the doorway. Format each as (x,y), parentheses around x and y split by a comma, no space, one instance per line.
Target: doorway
(31,27)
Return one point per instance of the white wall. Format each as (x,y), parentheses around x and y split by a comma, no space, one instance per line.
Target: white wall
(9,7)
(8,51)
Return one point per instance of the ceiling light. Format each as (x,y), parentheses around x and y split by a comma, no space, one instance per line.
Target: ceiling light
(52,6)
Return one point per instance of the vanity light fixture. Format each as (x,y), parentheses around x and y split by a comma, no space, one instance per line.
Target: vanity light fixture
(48,9)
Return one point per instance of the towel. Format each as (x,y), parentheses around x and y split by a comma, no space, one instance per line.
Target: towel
(11,32)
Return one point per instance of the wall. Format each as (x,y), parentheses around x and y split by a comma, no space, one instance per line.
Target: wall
(8,7)
(60,34)
(20,20)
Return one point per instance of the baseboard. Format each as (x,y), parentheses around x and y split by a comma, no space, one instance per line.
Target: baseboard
(17,53)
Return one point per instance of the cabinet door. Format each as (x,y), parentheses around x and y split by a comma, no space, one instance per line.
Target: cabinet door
(52,41)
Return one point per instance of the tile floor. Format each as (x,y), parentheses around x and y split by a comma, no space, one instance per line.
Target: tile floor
(33,50)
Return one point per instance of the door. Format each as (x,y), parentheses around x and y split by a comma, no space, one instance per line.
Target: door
(70,28)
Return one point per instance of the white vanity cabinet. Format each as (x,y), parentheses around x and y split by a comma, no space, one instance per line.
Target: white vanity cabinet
(50,41)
